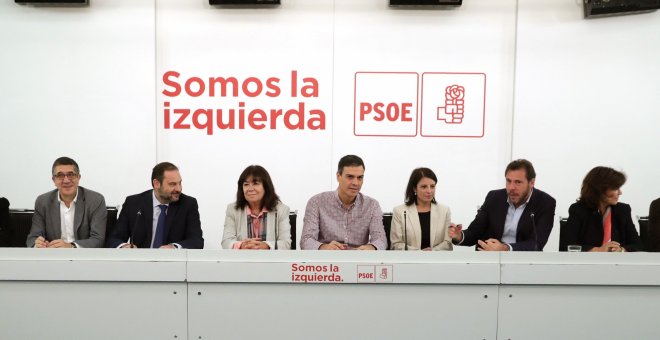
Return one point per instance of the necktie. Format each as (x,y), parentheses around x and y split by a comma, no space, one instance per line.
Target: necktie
(159,236)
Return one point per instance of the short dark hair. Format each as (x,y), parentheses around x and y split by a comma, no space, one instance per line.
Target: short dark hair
(522,164)
(597,181)
(158,173)
(257,172)
(415,177)
(65,161)
(349,160)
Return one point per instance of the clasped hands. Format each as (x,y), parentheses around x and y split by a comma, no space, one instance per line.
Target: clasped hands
(611,246)
(334,245)
(254,243)
(164,246)
(41,242)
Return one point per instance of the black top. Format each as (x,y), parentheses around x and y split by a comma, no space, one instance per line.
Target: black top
(425,223)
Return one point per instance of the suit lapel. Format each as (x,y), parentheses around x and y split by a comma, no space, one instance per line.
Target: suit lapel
(435,222)
(147,218)
(270,226)
(529,208)
(80,211)
(172,210)
(55,223)
(615,235)
(242,224)
(503,204)
(416,226)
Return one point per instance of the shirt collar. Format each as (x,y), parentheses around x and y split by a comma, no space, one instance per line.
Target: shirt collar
(156,202)
(249,212)
(358,199)
(75,199)
(508,200)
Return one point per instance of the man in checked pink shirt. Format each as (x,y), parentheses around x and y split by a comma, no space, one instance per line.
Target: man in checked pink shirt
(345,218)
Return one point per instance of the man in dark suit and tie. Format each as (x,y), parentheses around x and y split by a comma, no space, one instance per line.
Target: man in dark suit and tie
(70,216)
(519,217)
(159,218)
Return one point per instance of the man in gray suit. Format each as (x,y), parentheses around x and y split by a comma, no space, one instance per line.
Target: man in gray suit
(69,216)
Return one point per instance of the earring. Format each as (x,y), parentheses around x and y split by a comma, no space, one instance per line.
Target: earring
(415,193)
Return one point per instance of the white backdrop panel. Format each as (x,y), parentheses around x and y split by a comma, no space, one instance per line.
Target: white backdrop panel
(77,82)
(477,37)
(198,40)
(587,95)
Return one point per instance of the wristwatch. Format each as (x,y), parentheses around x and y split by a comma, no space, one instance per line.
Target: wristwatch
(73,245)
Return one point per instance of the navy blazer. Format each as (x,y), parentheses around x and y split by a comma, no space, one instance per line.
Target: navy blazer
(585,227)
(182,224)
(489,222)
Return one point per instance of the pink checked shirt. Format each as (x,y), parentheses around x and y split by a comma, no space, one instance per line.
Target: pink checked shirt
(326,220)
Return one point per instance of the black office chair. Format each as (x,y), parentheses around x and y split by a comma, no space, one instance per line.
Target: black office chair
(563,223)
(293,216)
(5,225)
(112,221)
(387,223)
(644,233)
(21,222)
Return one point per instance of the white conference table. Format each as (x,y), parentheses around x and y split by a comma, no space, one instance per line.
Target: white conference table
(224,294)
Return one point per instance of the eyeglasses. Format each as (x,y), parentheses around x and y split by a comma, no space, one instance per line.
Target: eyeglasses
(70,175)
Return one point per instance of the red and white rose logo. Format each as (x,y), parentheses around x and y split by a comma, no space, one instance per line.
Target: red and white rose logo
(452,112)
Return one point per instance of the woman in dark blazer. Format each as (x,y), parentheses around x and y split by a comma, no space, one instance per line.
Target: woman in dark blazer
(597,221)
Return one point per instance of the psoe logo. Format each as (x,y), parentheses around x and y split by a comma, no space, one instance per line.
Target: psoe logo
(453,104)
(452,112)
(386,104)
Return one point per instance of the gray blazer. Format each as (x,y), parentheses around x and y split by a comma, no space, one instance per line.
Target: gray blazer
(89,221)
(440,221)
(236,227)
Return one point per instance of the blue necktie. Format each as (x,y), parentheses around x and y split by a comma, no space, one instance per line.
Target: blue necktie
(159,236)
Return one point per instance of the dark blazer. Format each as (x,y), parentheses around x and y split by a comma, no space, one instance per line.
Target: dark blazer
(489,222)
(182,224)
(585,227)
(89,221)
(654,225)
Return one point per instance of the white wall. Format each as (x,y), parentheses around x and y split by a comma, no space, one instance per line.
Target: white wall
(565,92)
(195,39)
(77,82)
(587,95)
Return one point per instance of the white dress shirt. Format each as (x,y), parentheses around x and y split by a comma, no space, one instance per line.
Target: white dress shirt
(67,215)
